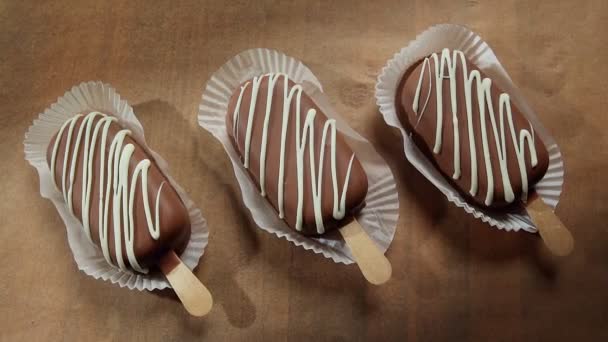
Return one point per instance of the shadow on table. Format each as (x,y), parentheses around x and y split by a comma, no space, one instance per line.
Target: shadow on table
(162,121)
(312,277)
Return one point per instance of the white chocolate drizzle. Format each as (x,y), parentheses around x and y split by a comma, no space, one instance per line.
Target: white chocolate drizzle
(115,167)
(449,62)
(304,137)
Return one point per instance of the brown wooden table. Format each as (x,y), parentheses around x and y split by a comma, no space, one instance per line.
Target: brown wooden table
(454,278)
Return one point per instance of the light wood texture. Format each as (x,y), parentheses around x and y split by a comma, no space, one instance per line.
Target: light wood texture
(554,233)
(454,278)
(374,266)
(191,292)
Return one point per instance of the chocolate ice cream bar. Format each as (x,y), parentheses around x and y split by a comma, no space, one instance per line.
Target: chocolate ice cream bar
(295,155)
(127,207)
(471,130)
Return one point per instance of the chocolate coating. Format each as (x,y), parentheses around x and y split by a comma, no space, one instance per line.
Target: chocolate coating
(357,185)
(423,130)
(173,215)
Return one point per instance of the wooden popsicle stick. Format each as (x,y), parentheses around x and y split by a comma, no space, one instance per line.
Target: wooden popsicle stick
(373,264)
(193,294)
(554,233)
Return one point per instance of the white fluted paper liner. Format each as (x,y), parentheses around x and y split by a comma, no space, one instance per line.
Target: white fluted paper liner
(477,51)
(96,96)
(378,218)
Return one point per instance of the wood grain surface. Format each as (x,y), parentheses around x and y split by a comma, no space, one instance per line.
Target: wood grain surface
(454,278)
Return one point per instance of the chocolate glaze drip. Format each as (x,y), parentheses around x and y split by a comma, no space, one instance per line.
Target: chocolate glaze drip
(330,186)
(174,224)
(417,103)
